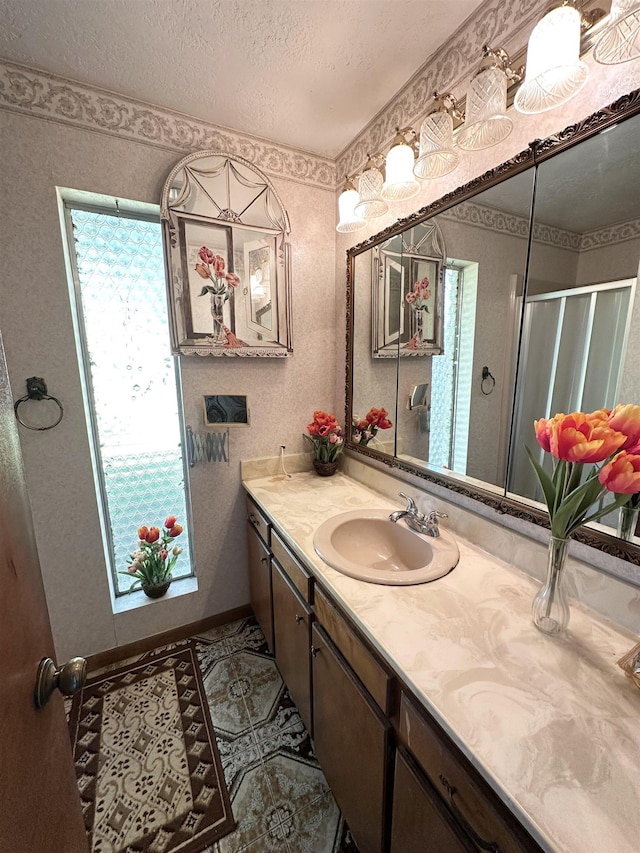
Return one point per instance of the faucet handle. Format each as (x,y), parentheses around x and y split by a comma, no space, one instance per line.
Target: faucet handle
(434,516)
(411,504)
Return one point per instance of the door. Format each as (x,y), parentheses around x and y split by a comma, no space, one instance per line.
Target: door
(260,583)
(38,790)
(291,620)
(351,739)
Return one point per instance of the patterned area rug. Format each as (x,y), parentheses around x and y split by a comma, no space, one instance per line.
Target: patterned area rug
(148,767)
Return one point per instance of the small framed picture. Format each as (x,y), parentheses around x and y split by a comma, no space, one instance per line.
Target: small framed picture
(225,410)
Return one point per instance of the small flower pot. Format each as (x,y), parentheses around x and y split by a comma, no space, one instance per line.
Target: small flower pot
(325,469)
(157,590)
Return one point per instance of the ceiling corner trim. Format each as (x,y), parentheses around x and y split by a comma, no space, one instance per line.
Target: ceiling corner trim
(37,93)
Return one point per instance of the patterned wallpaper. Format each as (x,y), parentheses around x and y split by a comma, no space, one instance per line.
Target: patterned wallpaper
(25,90)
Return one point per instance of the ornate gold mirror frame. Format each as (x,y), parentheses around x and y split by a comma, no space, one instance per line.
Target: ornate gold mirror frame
(538,151)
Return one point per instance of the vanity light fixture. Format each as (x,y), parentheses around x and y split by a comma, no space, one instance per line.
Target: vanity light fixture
(349,220)
(400,183)
(370,185)
(554,71)
(620,41)
(437,155)
(487,122)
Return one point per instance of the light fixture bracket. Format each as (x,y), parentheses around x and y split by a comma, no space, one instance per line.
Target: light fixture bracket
(445,101)
(499,58)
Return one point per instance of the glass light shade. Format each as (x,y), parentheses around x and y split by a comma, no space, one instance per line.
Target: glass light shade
(371,203)
(346,207)
(486,123)
(400,182)
(554,71)
(437,156)
(620,42)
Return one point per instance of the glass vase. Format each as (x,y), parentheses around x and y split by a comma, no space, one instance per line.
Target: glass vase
(550,608)
(627,522)
(419,326)
(219,336)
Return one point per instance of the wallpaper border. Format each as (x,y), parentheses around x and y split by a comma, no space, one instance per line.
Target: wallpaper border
(37,93)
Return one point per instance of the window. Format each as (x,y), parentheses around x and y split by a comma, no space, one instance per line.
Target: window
(131,379)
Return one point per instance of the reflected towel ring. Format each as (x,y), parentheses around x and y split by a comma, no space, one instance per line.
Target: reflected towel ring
(488,382)
(37,390)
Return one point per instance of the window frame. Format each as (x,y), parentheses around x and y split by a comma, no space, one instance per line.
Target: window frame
(82,351)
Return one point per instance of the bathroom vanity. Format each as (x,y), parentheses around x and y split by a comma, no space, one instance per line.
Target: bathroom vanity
(442,719)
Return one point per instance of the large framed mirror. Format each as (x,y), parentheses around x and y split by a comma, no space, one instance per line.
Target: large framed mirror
(226,241)
(539,314)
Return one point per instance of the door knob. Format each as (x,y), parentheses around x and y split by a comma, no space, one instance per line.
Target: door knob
(68,679)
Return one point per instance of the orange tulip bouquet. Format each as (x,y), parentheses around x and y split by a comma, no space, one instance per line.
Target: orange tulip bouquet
(364,429)
(609,441)
(153,560)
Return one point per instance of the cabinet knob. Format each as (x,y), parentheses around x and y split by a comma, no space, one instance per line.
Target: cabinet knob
(314,651)
(253,519)
(299,619)
(264,559)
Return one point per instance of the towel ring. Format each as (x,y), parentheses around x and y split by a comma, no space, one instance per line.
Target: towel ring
(488,383)
(37,390)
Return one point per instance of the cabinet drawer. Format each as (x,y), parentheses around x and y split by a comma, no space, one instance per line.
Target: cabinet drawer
(473,804)
(292,567)
(258,521)
(360,659)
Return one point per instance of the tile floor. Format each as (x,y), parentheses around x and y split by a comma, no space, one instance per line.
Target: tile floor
(279,796)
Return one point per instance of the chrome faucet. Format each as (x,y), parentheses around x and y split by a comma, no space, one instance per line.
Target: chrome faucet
(416,520)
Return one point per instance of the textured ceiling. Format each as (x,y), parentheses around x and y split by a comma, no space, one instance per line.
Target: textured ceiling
(308,73)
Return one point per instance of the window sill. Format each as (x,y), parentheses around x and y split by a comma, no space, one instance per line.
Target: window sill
(179,587)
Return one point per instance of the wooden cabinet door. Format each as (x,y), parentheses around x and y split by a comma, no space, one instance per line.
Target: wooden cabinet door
(351,741)
(260,583)
(420,823)
(291,623)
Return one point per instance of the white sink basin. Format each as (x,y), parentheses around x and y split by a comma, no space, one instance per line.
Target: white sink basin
(364,544)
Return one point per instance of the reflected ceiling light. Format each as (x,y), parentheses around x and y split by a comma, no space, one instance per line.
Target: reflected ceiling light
(437,156)
(620,42)
(554,72)
(400,182)
(371,203)
(347,201)
(486,122)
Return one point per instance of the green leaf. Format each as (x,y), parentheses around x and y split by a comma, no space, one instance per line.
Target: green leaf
(545,482)
(571,512)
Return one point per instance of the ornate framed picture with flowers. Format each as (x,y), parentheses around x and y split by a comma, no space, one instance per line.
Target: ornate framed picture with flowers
(227,259)
(407,304)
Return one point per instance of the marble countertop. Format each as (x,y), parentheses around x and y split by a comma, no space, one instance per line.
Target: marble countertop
(553,725)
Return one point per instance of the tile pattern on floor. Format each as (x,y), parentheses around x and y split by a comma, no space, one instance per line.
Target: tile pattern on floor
(279,795)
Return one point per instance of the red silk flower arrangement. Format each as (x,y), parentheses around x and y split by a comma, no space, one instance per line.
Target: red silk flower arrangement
(325,437)
(364,429)
(153,560)
(611,437)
